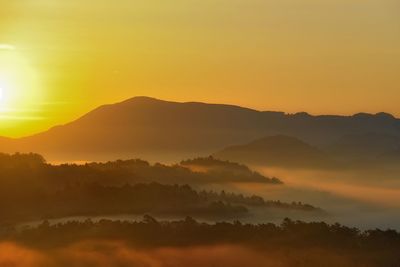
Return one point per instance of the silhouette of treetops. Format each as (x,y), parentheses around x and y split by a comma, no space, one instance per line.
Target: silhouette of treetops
(292,243)
(213,163)
(216,167)
(32,189)
(256,201)
(151,198)
(150,232)
(95,199)
(121,172)
(18,160)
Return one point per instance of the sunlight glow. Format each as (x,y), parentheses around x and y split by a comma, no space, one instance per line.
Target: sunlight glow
(2,97)
(20,92)
(18,83)
(7,47)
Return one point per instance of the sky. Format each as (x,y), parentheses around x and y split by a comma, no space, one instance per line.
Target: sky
(60,59)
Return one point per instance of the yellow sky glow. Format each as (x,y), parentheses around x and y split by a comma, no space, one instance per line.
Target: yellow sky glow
(60,59)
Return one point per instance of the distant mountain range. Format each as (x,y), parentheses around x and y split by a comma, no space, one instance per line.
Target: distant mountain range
(169,131)
(366,146)
(279,150)
(392,156)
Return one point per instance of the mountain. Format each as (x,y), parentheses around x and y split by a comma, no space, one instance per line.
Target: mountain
(145,127)
(169,131)
(5,140)
(278,151)
(391,157)
(367,146)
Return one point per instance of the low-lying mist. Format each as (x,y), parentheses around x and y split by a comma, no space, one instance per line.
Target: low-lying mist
(365,199)
(102,253)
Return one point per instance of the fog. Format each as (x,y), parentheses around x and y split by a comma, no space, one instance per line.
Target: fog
(361,198)
(103,253)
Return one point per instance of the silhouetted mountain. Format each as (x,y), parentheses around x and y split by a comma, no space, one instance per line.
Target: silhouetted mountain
(5,143)
(391,157)
(279,150)
(366,146)
(169,131)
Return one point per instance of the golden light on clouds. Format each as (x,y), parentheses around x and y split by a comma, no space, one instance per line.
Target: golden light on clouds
(315,56)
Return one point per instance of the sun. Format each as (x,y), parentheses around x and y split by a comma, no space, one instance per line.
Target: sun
(5,103)
(2,97)
(19,88)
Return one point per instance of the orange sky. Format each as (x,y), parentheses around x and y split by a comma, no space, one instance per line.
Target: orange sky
(59,59)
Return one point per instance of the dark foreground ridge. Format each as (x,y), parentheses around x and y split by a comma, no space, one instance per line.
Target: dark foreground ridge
(369,248)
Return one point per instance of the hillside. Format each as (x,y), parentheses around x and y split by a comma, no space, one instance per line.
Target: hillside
(391,157)
(278,150)
(31,170)
(367,146)
(227,169)
(31,189)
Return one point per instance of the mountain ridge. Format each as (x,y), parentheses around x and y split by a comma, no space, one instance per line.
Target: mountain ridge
(145,127)
(147,99)
(278,151)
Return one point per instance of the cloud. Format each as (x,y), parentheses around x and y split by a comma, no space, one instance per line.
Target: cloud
(7,47)
(55,103)
(21,118)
